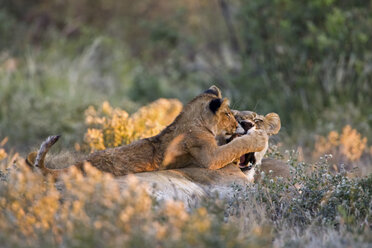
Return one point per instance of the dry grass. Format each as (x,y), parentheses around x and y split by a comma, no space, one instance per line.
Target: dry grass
(91,211)
(347,149)
(350,144)
(329,209)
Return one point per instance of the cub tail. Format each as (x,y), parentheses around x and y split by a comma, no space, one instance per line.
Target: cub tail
(37,159)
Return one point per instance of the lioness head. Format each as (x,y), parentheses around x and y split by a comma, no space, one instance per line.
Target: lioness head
(213,111)
(250,121)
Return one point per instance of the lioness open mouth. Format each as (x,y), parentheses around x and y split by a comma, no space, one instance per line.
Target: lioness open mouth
(246,161)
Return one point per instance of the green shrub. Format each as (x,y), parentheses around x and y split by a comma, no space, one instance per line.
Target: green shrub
(306,58)
(313,197)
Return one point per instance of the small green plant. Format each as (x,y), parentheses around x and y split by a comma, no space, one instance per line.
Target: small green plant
(314,197)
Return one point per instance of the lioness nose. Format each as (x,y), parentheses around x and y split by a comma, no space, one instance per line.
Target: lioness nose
(239,130)
(246,125)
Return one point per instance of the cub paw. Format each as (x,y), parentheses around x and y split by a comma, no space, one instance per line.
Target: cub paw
(258,139)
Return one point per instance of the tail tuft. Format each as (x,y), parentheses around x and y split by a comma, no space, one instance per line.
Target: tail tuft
(44,148)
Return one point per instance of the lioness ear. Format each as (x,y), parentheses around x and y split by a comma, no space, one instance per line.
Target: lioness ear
(272,123)
(214,91)
(215,104)
(235,112)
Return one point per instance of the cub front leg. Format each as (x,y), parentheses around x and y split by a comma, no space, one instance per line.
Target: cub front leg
(215,157)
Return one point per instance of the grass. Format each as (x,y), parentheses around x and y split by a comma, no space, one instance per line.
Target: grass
(59,62)
(328,210)
(47,94)
(47,90)
(319,207)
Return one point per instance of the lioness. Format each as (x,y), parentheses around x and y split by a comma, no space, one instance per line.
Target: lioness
(188,183)
(189,141)
(251,163)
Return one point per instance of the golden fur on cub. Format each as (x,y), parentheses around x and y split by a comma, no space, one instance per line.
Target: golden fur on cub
(190,141)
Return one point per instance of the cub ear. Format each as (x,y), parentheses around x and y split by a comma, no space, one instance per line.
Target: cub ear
(214,90)
(215,104)
(218,103)
(272,123)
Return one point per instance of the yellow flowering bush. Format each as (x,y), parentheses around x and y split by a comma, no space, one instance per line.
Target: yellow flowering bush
(348,145)
(3,153)
(92,210)
(111,127)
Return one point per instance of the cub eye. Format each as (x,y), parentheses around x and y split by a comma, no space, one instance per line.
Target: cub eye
(227,114)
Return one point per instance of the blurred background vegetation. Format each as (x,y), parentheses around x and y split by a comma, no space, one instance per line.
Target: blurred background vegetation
(85,68)
(309,61)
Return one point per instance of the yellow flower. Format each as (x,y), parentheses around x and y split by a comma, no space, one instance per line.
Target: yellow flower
(353,144)
(3,154)
(106,108)
(333,138)
(350,144)
(94,138)
(114,127)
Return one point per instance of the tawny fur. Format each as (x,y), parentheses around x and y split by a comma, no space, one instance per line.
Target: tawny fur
(188,184)
(195,130)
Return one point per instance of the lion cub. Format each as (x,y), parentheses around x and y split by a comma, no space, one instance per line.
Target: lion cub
(190,140)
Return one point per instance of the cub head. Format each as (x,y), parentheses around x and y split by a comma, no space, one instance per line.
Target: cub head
(218,113)
(250,121)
